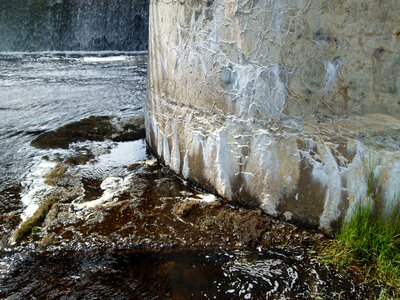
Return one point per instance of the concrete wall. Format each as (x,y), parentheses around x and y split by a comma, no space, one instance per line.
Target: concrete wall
(290,106)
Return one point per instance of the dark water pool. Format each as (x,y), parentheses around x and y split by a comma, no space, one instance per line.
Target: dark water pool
(272,274)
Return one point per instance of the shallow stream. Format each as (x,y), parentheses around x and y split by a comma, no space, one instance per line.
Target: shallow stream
(119,225)
(40,91)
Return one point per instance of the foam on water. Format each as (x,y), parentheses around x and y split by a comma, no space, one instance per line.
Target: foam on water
(109,164)
(96,59)
(35,187)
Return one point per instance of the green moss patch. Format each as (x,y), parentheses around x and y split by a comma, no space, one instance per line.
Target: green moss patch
(34,223)
(55,175)
(35,220)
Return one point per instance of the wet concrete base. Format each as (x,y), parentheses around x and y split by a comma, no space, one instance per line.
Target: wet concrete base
(137,230)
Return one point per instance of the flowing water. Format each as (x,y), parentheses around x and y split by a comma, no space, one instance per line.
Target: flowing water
(140,245)
(90,25)
(118,225)
(41,91)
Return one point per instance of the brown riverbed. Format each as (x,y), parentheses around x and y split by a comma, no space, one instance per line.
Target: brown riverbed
(137,230)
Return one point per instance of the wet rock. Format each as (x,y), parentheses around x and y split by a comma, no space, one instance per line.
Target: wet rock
(47,240)
(128,129)
(63,215)
(168,187)
(114,188)
(10,213)
(144,209)
(10,216)
(59,195)
(95,128)
(138,186)
(56,174)
(80,159)
(150,210)
(212,204)
(133,166)
(248,227)
(151,170)
(92,188)
(36,219)
(184,208)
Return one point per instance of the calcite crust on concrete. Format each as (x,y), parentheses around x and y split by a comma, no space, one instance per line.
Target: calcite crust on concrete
(290,106)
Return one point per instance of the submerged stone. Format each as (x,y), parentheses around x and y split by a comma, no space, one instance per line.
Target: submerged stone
(95,128)
(184,208)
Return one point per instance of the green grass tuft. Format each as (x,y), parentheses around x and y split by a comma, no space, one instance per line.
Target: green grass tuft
(371,240)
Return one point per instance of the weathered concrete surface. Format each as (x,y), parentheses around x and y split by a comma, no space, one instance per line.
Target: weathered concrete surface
(288,106)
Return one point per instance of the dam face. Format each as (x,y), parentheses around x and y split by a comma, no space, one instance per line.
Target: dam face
(73,25)
(292,107)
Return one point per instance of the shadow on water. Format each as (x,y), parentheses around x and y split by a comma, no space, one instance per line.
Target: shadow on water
(171,275)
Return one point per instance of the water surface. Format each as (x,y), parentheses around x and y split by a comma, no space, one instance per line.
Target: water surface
(40,91)
(134,247)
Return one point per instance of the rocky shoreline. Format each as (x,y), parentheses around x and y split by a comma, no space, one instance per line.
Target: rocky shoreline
(142,211)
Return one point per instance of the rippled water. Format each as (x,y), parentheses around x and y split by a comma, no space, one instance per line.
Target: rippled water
(175,275)
(40,91)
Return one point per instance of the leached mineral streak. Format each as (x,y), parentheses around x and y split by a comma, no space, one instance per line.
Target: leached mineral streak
(288,106)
